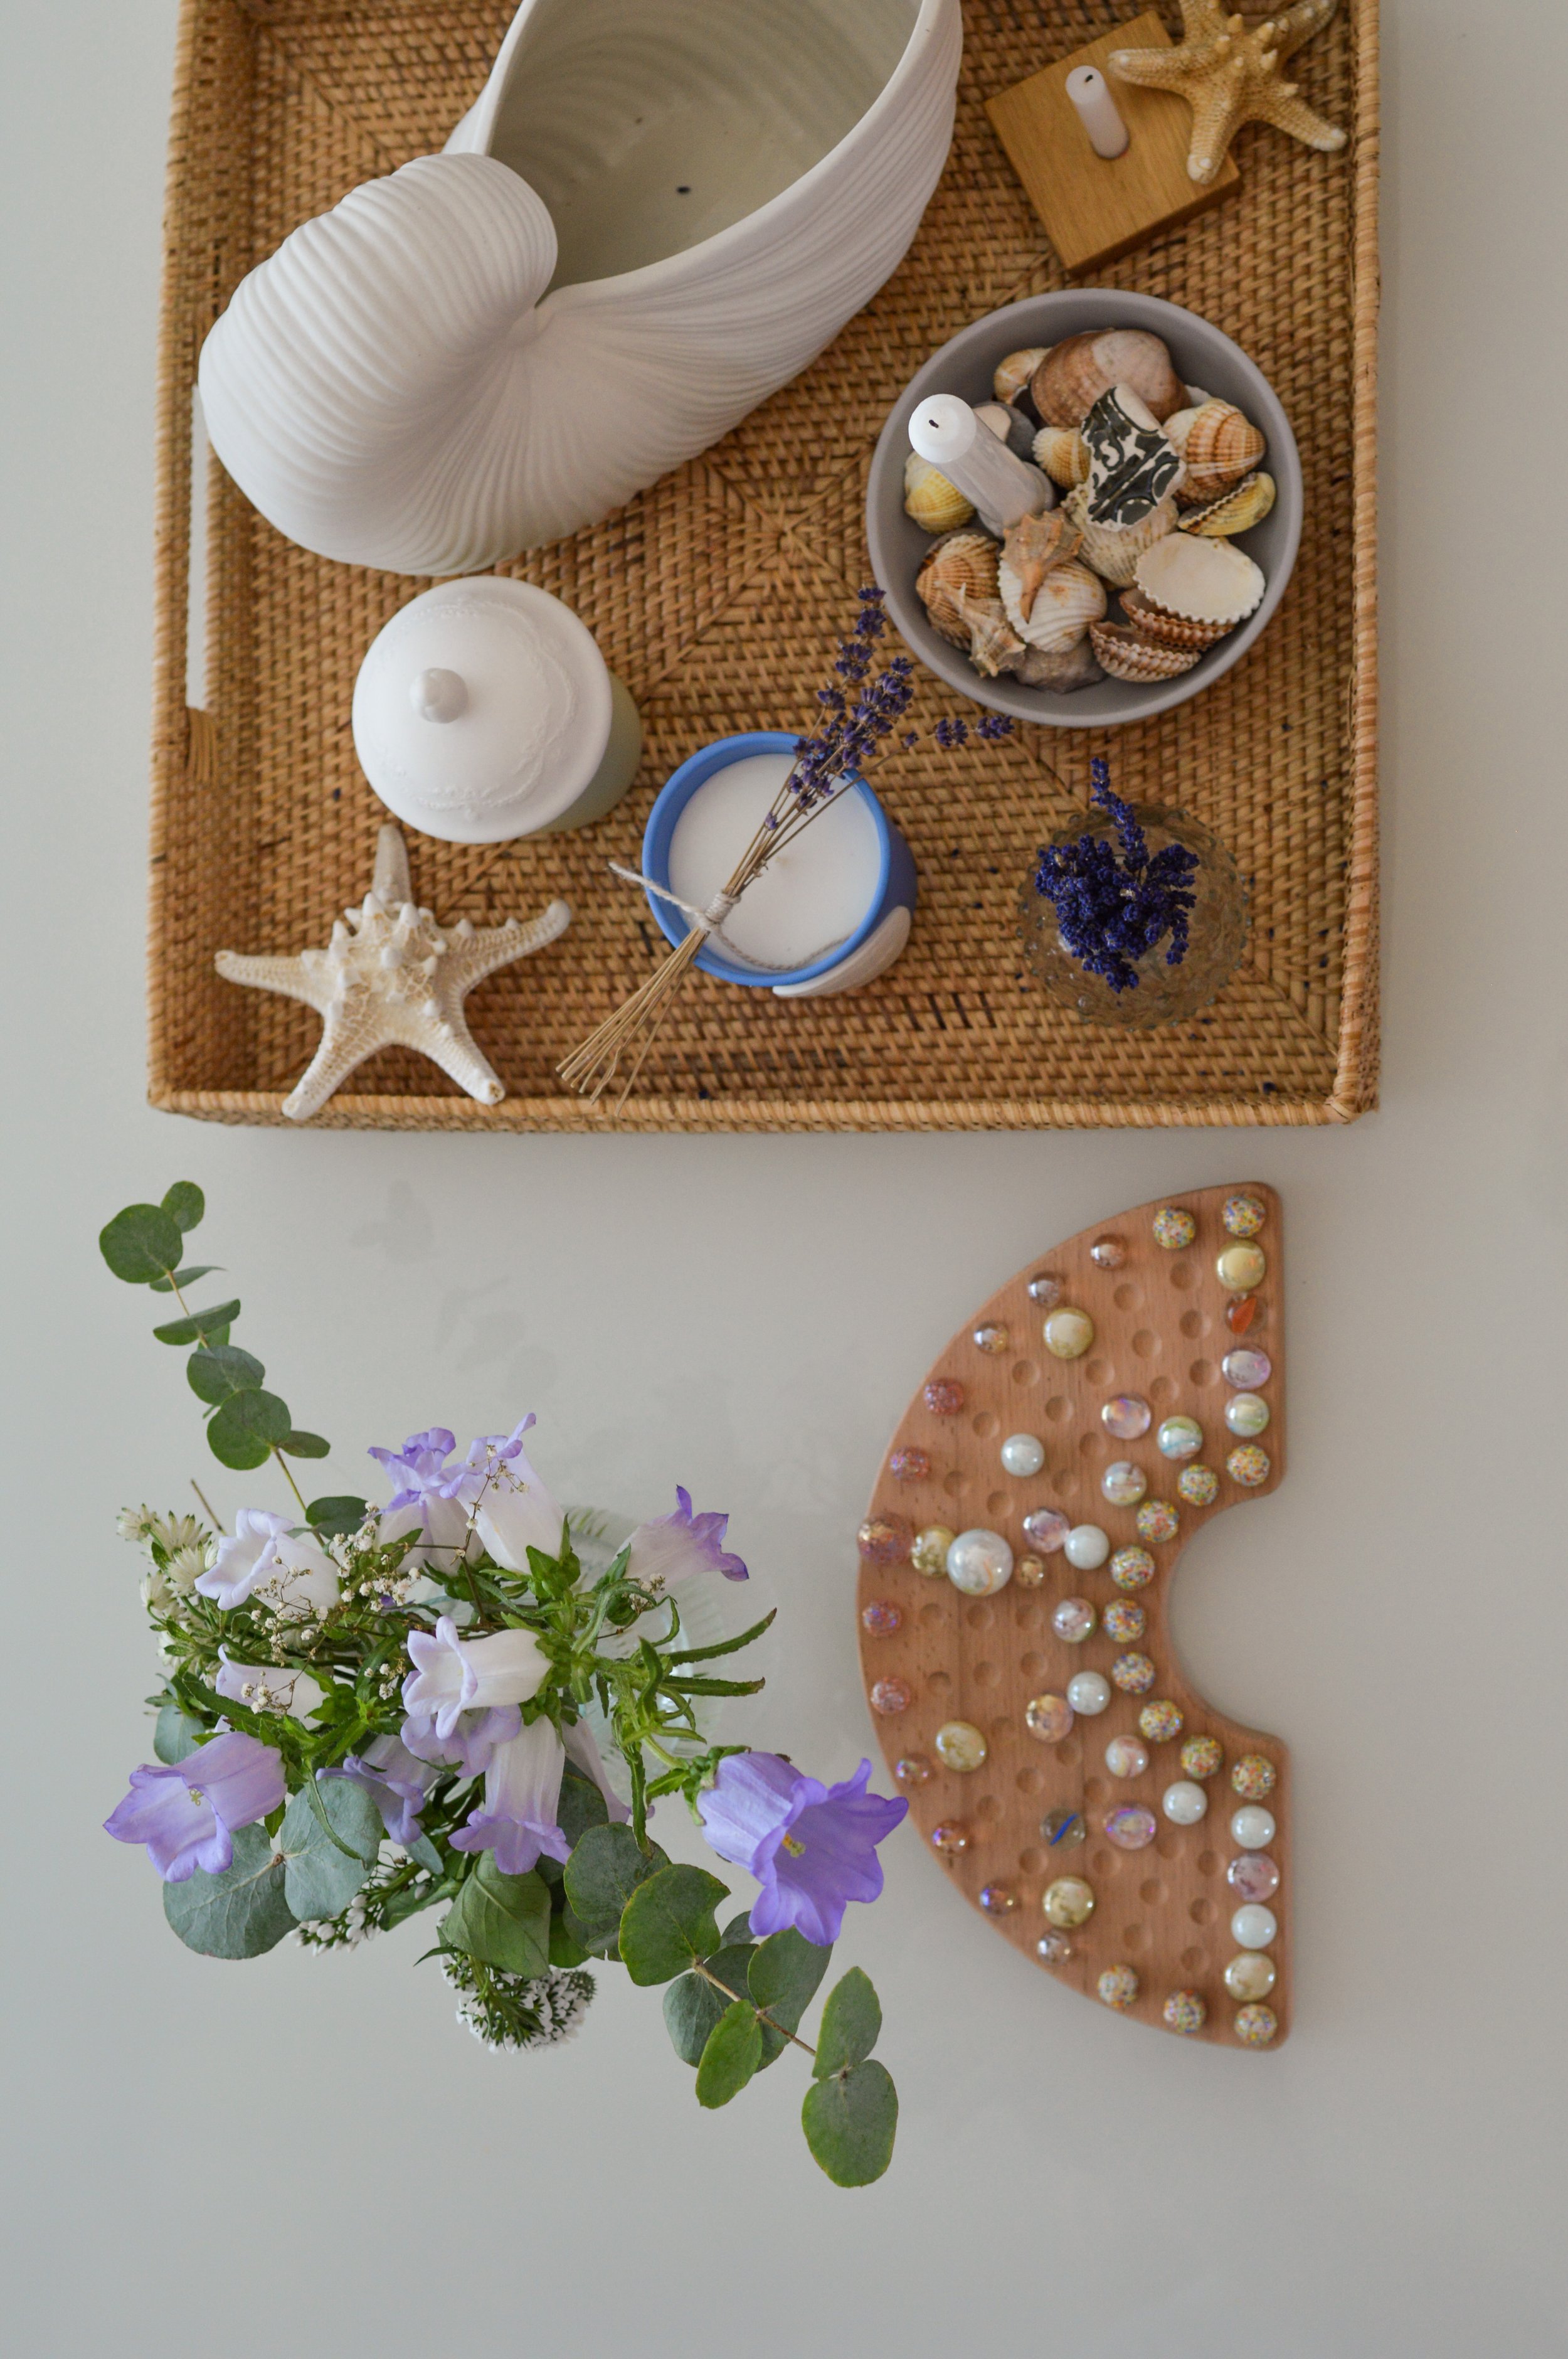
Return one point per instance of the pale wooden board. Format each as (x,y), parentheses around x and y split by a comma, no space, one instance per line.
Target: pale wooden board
(1095,207)
(1160,1330)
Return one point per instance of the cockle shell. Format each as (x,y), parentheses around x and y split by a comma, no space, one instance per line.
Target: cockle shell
(1171,630)
(1127,655)
(1179,424)
(1208,580)
(1075,667)
(1236,510)
(1114,550)
(963,565)
(1063,606)
(1073,375)
(935,505)
(1219,447)
(1061,452)
(1011,377)
(1032,546)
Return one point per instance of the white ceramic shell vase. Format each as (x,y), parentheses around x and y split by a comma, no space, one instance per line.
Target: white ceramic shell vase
(658,211)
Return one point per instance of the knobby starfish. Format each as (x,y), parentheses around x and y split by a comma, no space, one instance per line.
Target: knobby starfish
(391,976)
(1228,72)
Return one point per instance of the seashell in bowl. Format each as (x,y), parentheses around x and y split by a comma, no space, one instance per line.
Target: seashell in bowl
(1171,630)
(1075,667)
(1032,546)
(935,505)
(1010,427)
(994,646)
(1206,580)
(1238,510)
(961,565)
(1219,447)
(1126,654)
(1061,452)
(1114,550)
(1011,377)
(1061,606)
(1131,466)
(1074,374)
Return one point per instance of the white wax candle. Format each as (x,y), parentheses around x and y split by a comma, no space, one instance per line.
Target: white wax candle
(811,896)
(1002,487)
(1090,93)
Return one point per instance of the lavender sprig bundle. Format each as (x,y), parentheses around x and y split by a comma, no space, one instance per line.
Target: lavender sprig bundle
(367,1712)
(860,708)
(1115,903)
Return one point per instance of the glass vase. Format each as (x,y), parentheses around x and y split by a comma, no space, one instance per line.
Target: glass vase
(1162,994)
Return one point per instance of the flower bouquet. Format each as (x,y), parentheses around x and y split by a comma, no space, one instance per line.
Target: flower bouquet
(436,1704)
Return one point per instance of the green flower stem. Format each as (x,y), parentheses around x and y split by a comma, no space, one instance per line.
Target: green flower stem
(276,1451)
(698,1967)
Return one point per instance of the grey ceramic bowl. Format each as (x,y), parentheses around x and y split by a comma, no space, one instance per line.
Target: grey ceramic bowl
(1203,356)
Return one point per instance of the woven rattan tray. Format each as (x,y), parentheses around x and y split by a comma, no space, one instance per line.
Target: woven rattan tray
(716,595)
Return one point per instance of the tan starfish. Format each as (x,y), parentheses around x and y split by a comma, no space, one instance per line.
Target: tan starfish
(1228,72)
(391,976)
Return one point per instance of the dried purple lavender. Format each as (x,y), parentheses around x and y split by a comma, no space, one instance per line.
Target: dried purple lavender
(1115,902)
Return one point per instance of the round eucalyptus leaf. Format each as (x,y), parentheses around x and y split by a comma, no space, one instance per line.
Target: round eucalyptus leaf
(140,1243)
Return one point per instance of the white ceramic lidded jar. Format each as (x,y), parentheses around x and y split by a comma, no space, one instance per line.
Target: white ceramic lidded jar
(484,711)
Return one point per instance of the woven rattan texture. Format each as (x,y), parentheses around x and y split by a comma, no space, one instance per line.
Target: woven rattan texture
(716,595)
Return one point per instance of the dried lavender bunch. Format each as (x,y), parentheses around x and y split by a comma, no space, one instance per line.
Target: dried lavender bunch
(1115,902)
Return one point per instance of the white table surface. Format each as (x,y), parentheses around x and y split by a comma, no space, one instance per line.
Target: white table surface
(310,2154)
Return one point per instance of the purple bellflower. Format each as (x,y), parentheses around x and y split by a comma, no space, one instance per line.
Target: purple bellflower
(186,1813)
(453,1675)
(813,1848)
(516,1511)
(395,1782)
(671,1547)
(583,1753)
(474,1737)
(519,1820)
(263,1555)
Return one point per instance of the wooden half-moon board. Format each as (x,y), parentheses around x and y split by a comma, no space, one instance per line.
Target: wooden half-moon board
(1160,1886)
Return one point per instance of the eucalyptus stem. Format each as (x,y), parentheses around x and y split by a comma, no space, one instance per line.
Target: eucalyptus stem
(763,2015)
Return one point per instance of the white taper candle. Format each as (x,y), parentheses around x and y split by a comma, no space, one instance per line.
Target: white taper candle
(1001,488)
(1090,93)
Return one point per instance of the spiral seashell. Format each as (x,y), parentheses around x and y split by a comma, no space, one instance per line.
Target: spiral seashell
(1172,630)
(1062,605)
(1236,510)
(1011,377)
(1126,654)
(994,646)
(1075,667)
(1032,546)
(935,505)
(1114,550)
(961,566)
(1061,452)
(1073,375)
(1206,580)
(1219,447)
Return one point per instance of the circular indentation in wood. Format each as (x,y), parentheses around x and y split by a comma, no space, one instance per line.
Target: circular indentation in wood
(1057,1407)
(1026,1372)
(1132,1937)
(932,1617)
(939,1678)
(1028,1617)
(1192,1960)
(1028,1781)
(979,1617)
(1208,1862)
(1094,1789)
(985,1422)
(1034,1861)
(1146,1343)
(1069,1753)
(1183,1277)
(1161,1390)
(1127,1297)
(1032,1666)
(1195,1323)
(1201,1372)
(987,1807)
(996,1503)
(1001,1728)
(1152,1892)
(1167,1845)
(1202,1912)
(955,1481)
(1064,1483)
(1102,1862)
(985,1675)
(1092,1442)
(1098,1372)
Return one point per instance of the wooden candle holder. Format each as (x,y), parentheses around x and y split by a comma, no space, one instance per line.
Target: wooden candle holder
(1035,1811)
(1096,208)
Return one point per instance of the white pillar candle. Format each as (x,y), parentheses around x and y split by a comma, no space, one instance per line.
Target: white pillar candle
(811,895)
(1001,486)
(1090,93)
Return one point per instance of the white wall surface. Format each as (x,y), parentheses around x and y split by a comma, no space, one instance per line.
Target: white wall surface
(310,2154)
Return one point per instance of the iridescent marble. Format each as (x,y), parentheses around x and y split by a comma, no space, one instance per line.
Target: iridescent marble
(1241,1268)
(1173,1228)
(1255,2025)
(1133,1674)
(1053,1949)
(951,1837)
(1069,1333)
(1198,1486)
(960,1745)
(944,1397)
(1185,1803)
(1107,1253)
(1044,1289)
(1074,1620)
(1086,1546)
(1202,1756)
(1243,1216)
(1024,1454)
(1064,1826)
(884,1539)
(1117,1987)
(1125,1757)
(1029,1572)
(1158,1520)
(1123,1482)
(1159,1722)
(993,1337)
(912,1770)
(1127,1416)
(1253,1875)
(1089,1692)
(1246,1369)
(1248,1465)
(1180,1436)
(881,1618)
(929,1552)
(1048,1717)
(1069,1902)
(1250,1975)
(1124,1622)
(1046,1530)
(1254,1777)
(979,1563)
(1253,1927)
(1252,1827)
(998,1900)
(1184,2012)
(1131,1828)
(909,1465)
(1246,1414)
(890,1696)
(1133,1568)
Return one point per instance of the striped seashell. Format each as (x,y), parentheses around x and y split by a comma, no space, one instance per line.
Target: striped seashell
(1171,630)
(1238,510)
(1065,603)
(935,505)
(1061,452)
(1011,377)
(961,566)
(1114,550)
(1219,447)
(1206,580)
(1126,654)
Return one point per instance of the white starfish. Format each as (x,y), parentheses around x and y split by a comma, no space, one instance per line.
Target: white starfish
(391,976)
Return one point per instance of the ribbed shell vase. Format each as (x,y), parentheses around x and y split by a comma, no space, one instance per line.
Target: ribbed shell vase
(657,213)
